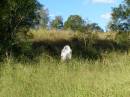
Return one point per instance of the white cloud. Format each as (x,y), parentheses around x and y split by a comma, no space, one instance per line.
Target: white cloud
(52,15)
(106,16)
(103,1)
(85,2)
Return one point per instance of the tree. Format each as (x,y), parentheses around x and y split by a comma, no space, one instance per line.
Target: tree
(75,23)
(120,17)
(42,17)
(93,27)
(57,23)
(15,15)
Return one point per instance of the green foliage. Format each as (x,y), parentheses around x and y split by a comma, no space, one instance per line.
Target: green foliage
(75,23)
(122,40)
(120,17)
(15,16)
(93,27)
(57,23)
(42,17)
(88,49)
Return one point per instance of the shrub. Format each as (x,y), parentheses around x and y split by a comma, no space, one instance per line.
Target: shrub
(122,40)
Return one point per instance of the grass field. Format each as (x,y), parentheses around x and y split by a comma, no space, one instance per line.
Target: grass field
(78,78)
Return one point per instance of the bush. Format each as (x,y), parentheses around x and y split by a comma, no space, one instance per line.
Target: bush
(122,40)
(88,50)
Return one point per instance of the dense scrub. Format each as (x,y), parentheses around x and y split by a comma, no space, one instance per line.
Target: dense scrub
(84,45)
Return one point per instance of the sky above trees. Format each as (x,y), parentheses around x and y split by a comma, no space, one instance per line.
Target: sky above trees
(92,10)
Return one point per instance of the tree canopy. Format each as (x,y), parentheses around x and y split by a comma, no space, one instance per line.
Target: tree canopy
(121,17)
(42,17)
(75,23)
(15,15)
(57,23)
(93,27)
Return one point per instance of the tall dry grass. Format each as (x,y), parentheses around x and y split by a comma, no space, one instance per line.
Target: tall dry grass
(56,35)
(51,35)
(77,78)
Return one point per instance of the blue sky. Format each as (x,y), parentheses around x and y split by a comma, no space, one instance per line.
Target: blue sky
(92,10)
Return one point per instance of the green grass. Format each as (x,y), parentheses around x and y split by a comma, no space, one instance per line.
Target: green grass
(78,78)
